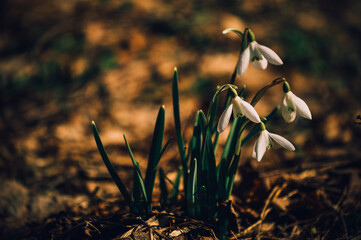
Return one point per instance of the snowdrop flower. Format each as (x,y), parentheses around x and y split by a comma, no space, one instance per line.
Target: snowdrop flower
(256,53)
(239,108)
(293,105)
(265,141)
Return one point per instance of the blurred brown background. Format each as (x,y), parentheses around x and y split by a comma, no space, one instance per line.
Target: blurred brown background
(66,63)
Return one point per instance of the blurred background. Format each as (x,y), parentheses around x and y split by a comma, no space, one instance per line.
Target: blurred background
(66,63)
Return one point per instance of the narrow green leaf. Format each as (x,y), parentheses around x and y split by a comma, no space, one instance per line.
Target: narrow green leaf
(203,203)
(192,188)
(241,92)
(227,155)
(137,195)
(231,173)
(165,146)
(202,122)
(211,171)
(195,146)
(175,190)
(111,168)
(163,188)
(138,184)
(155,153)
(194,185)
(177,123)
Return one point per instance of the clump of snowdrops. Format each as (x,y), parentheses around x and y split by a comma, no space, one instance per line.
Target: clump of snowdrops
(208,182)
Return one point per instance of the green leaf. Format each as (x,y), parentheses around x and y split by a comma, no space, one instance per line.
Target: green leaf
(177,123)
(155,153)
(231,173)
(195,146)
(203,122)
(111,168)
(241,92)
(227,155)
(138,184)
(175,190)
(203,202)
(212,114)
(137,195)
(163,188)
(211,171)
(192,188)
(165,146)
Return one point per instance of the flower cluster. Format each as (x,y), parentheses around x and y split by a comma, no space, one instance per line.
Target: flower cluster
(291,105)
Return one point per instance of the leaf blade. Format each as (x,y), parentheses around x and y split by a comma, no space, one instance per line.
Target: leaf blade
(111,168)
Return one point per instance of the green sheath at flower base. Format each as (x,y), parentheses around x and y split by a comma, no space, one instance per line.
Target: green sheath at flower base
(251,37)
(286,87)
(262,126)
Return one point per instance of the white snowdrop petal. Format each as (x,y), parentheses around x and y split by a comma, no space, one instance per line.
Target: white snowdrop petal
(243,62)
(260,64)
(270,55)
(282,141)
(224,119)
(287,103)
(248,110)
(262,143)
(255,54)
(254,155)
(237,109)
(301,106)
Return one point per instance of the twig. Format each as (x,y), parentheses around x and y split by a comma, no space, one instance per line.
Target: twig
(276,191)
(344,223)
(89,224)
(150,227)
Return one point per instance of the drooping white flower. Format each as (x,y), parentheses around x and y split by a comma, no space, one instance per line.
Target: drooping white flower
(292,105)
(239,108)
(256,53)
(259,55)
(265,141)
